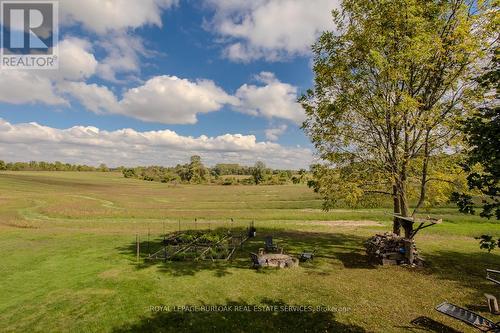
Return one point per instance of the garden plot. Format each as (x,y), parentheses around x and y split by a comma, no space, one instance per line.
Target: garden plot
(200,245)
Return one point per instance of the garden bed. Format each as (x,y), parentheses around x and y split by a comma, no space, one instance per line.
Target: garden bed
(194,245)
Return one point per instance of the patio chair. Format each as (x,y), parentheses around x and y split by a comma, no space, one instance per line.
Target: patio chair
(468,317)
(307,255)
(270,245)
(256,261)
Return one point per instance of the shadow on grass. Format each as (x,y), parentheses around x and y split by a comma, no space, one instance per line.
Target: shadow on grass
(468,269)
(332,249)
(270,316)
(426,324)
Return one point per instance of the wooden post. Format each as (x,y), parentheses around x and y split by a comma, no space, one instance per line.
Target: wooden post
(492,304)
(149,248)
(165,247)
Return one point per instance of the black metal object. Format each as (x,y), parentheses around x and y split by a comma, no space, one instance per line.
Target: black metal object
(468,317)
(305,256)
(270,245)
(252,231)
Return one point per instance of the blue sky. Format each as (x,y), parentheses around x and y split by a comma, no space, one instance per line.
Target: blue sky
(155,81)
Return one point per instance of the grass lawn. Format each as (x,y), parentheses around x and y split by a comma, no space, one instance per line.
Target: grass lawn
(67,243)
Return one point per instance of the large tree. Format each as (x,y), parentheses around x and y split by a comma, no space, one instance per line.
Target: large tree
(390,86)
(482,134)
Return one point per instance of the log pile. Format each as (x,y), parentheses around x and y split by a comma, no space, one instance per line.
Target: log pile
(391,249)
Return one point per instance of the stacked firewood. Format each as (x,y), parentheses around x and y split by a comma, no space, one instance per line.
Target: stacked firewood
(391,249)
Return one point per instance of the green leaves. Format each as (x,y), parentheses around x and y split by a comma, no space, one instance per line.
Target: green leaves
(488,242)
(390,87)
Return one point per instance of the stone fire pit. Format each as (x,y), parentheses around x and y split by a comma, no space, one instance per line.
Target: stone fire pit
(278,260)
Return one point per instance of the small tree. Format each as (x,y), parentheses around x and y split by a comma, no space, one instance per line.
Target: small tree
(3,166)
(389,89)
(197,173)
(129,173)
(259,172)
(103,167)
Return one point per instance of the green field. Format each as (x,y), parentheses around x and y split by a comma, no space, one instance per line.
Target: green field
(67,243)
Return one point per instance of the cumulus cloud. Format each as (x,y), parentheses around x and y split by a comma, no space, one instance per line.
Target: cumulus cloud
(104,16)
(76,60)
(95,98)
(273,99)
(113,22)
(24,87)
(171,100)
(273,134)
(163,99)
(270,29)
(90,145)
(123,56)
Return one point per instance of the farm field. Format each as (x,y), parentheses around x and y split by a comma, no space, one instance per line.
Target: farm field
(67,243)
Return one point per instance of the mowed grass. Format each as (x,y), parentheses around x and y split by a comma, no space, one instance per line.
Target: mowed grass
(67,243)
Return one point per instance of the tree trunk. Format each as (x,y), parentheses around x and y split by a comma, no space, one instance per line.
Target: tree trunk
(396,226)
(404,209)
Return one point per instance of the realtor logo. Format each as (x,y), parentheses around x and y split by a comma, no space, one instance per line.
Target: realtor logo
(30,34)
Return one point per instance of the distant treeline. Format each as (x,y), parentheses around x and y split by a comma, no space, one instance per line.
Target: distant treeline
(48,166)
(195,172)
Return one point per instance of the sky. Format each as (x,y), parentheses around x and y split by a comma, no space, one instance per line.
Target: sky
(153,82)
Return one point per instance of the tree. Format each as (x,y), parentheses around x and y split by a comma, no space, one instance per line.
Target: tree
(103,167)
(483,163)
(259,172)
(390,86)
(197,173)
(483,137)
(2,165)
(129,173)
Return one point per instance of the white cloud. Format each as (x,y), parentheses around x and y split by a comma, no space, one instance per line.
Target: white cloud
(25,87)
(113,21)
(123,55)
(270,29)
(273,134)
(163,99)
(104,16)
(95,98)
(41,86)
(171,100)
(31,141)
(274,99)
(76,60)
